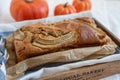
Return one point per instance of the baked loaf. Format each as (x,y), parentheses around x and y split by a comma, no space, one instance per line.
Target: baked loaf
(39,39)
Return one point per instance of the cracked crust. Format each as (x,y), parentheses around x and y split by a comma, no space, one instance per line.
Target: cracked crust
(40,39)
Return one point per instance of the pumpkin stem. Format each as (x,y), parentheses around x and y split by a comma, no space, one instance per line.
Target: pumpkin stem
(28,1)
(66,4)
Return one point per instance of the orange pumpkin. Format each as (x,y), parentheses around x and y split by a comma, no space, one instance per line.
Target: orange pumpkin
(28,9)
(62,9)
(82,5)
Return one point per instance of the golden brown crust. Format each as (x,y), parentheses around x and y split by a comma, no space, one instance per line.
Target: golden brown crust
(39,39)
(10,48)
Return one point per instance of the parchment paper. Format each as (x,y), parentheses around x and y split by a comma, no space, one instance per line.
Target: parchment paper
(112,8)
(17,70)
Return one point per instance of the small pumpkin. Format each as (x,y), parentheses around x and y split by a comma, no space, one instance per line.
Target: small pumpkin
(62,9)
(28,9)
(82,5)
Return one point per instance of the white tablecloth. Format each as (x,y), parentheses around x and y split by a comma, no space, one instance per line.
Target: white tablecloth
(106,11)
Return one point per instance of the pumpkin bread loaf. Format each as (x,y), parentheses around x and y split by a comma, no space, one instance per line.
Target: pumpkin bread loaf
(39,39)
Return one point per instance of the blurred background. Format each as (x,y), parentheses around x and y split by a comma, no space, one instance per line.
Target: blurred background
(106,11)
